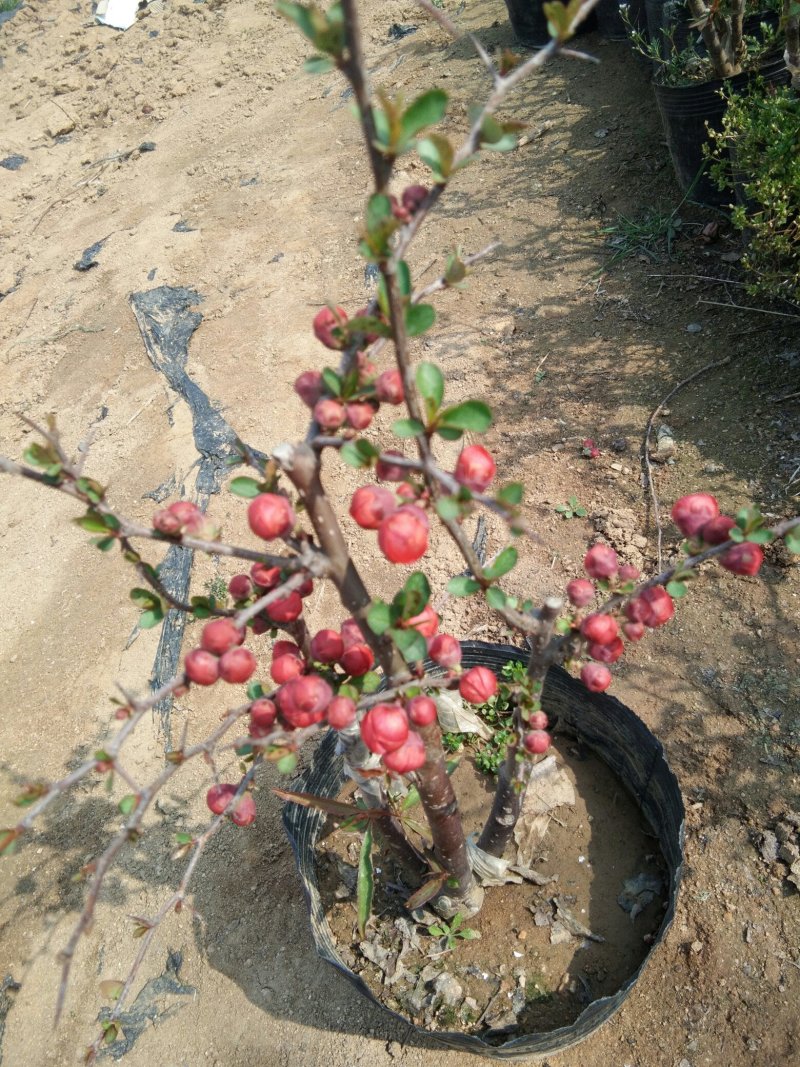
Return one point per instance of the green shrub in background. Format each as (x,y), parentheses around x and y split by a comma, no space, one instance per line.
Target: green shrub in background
(761,131)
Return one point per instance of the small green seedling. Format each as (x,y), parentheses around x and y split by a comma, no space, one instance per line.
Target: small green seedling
(452,931)
(573,509)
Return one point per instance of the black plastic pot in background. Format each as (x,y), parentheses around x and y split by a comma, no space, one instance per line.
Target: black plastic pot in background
(601,723)
(530,25)
(685,110)
(609,20)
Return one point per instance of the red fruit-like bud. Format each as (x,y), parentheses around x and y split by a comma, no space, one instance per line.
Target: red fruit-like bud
(609,653)
(370,506)
(262,717)
(370,338)
(306,589)
(219,797)
(325,322)
(285,608)
(351,633)
(286,667)
(202,667)
(537,741)
(309,387)
(403,536)
(634,631)
(285,648)
(580,592)
(366,368)
(628,573)
(413,196)
(220,635)
(398,210)
(185,511)
(478,685)
(359,414)
(691,513)
(357,660)
(595,677)
(475,468)
(341,713)
(261,624)
(391,472)
(384,728)
(600,629)
(538,721)
(410,756)
(245,811)
(327,646)
(265,577)
(744,558)
(237,665)
(445,650)
(653,607)
(421,710)
(167,523)
(389,387)
(600,562)
(304,700)
(718,530)
(271,516)
(240,587)
(426,623)
(407,491)
(329,413)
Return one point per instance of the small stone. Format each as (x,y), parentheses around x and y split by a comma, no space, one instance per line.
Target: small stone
(768,849)
(697,946)
(394,1049)
(446,987)
(694,327)
(789,852)
(522,935)
(559,934)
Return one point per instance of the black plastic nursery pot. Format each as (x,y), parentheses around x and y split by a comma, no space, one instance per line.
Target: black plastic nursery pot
(529,23)
(613,733)
(686,113)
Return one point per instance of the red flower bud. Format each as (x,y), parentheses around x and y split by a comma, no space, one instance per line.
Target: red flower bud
(537,741)
(410,756)
(285,608)
(201,666)
(219,797)
(327,646)
(309,386)
(167,523)
(341,713)
(370,506)
(357,660)
(475,468)
(245,811)
(595,677)
(304,700)
(538,721)
(599,628)
(634,631)
(220,635)
(600,562)
(653,607)
(271,516)
(265,577)
(403,536)
(237,665)
(413,195)
(240,587)
(391,472)
(325,322)
(384,728)
(691,513)
(426,623)
(609,653)
(477,685)
(389,387)
(421,710)
(262,717)
(285,667)
(718,530)
(744,558)
(580,592)
(445,650)
(351,633)
(330,414)
(628,573)
(359,414)
(285,648)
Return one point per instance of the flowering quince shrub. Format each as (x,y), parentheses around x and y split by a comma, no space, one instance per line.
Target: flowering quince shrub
(366,677)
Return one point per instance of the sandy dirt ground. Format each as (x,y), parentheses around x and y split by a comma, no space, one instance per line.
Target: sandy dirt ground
(250,196)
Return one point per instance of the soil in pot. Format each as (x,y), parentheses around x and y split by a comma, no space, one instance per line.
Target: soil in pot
(545,951)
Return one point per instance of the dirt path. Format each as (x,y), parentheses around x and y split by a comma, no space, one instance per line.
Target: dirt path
(249,197)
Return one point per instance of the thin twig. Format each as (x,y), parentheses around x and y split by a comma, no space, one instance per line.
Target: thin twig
(646,446)
(745,307)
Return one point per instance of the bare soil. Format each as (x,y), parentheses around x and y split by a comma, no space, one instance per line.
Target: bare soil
(258,167)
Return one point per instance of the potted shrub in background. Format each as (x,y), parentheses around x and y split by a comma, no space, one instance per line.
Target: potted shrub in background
(329,679)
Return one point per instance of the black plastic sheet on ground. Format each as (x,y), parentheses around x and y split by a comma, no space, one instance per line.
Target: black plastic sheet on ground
(606,727)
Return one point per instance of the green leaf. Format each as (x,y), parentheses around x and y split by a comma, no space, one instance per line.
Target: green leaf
(511,494)
(93,522)
(462,586)
(760,537)
(371,682)
(437,152)
(736,534)
(472,415)
(792,540)
(104,543)
(495,597)
(201,607)
(184,839)
(149,619)
(379,209)
(404,278)
(40,456)
(380,617)
(505,562)
(448,508)
(676,589)
(111,989)
(415,594)
(426,110)
(144,598)
(128,804)
(411,643)
(430,382)
(365,887)
(358,453)
(286,764)
(333,383)
(437,930)
(246,487)
(407,428)
(426,892)
(419,318)
(300,15)
(449,433)
(469,934)
(90,488)
(318,65)
(255,691)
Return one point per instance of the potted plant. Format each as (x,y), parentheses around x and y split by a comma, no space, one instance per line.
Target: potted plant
(690,74)
(364,676)
(756,153)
